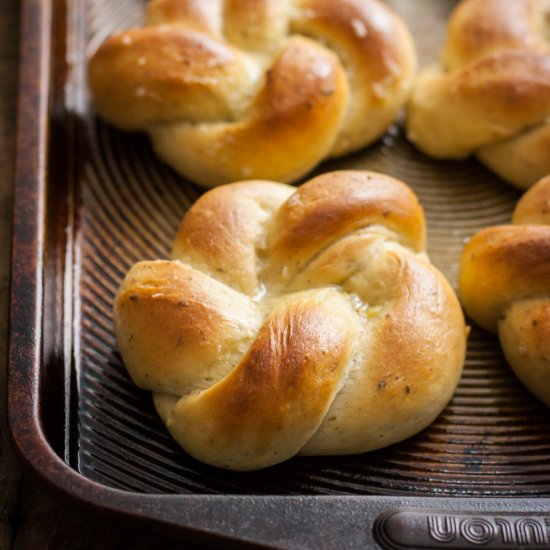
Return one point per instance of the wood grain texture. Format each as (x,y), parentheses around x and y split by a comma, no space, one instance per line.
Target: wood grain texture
(29,518)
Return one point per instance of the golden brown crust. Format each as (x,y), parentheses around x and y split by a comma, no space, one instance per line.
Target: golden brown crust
(367,30)
(480,28)
(525,336)
(316,216)
(224,233)
(411,352)
(265,410)
(144,77)
(375,48)
(501,265)
(196,14)
(229,90)
(493,92)
(256,25)
(505,287)
(534,206)
(167,315)
(333,335)
(242,149)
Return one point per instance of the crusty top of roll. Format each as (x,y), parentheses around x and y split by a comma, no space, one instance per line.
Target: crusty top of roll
(478,29)
(292,321)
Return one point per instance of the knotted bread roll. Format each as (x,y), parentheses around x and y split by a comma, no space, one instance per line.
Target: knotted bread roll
(491,96)
(505,287)
(294,321)
(243,89)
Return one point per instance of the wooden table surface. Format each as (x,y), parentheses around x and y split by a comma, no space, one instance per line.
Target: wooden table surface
(29,518)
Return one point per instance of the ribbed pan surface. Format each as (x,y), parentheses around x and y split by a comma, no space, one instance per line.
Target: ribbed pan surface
(492,439)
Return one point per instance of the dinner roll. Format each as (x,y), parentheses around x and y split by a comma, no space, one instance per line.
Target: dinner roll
(290,321)
(491,94)
(234,89)
(505,287)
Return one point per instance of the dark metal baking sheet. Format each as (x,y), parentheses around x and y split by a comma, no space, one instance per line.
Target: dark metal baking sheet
(91,200)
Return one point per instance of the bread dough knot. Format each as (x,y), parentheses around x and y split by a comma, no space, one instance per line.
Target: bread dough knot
(491,94)
(239,89)
(292,321)
(505,287)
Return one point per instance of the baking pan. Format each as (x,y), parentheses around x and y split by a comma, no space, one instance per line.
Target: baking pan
(91,200)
